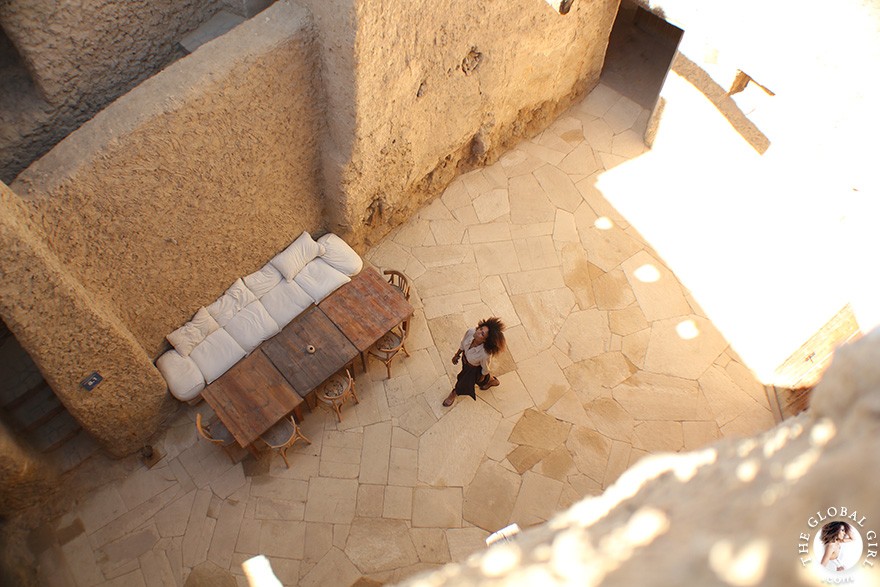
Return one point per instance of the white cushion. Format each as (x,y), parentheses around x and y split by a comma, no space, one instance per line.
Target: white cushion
(185,338)
(286,301)
(252,326)
(319,279)
(216,354)
(260,282)
(231,303)
(185,380)
(291,260)
(339,255)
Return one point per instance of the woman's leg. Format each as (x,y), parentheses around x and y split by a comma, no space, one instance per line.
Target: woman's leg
(464,383)
(486,381)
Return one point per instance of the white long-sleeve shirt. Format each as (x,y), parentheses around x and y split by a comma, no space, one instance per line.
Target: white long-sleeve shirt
(476,355)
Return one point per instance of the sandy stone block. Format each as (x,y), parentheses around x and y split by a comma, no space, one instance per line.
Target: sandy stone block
(281,489)
(117,557)
(370,501)
(543,379)
(476,183)
(510,397)
(388,254)
(248,541)
(531,229)
(80,561)
(581,161)
(158,571)
(334,569)
(376,545)
(539,430)
(529,202)
(340,534)
(658,436)
(399,390)
(499,447)
(599,101)
(318,541)
(609,418)
(398,503)
(543,313)
(535,280)
(584,334)
(282,538)
(635,347)
(746,380)
(599,134)
(622,115)
(447,232)
(489,499)
(443,255)
(229,482)
(489,233)
(464,432)
(627,321)
(400,438)
(449,304)
(536,252)
(565,228)
(331,500)
(540,152)
(726,399)
(699,434)
(491,205)
(613,291)
(437,507)
(465,541)
(417,419)
(519,344)
(517,162)
(557,465)
(226,532)
(618,461)
(404,468)
(753,420)
(656,288)
(608,247)
(171,520)
(524,457)
(536,501)
(430,544)
(495,258)
(569,408)
(576,275)
(144,484)
(415,233)
(448,280)
(590,451)
(456,195)
(494,294)
(103,507)
(649,396)
(683,347)
(562,359)
(628,144)
(595,200)
(197,538)
(610,161)
(374,457)
(559,187)
(276,509)
(434,210)
(583,486)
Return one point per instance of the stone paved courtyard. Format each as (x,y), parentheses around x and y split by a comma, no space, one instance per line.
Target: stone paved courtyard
(609,358)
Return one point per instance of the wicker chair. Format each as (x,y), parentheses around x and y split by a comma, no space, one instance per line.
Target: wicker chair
(282,435)
(337,390)
(390,345)
(398,280)
(217,433)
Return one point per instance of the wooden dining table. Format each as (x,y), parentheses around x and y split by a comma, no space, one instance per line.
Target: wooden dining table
(366,309)
(252,397)
(274,379)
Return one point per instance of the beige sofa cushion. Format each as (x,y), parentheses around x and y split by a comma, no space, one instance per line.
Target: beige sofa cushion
(339,255)
(184,378)
(319,279)
(185,338)
(291,260)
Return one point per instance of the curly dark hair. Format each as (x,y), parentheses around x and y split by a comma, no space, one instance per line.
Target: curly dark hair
(831,530)
(494,342)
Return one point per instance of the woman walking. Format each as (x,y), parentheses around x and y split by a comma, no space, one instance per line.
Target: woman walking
(478,346)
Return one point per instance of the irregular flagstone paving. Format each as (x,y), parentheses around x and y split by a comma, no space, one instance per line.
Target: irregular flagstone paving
(608,360)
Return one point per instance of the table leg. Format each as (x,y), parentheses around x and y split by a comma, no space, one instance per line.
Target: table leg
(298,414)
(253,450)
(364,361)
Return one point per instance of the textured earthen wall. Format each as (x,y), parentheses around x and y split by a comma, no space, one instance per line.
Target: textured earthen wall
(197,177)
(78,48)
(70,332)
(421,90)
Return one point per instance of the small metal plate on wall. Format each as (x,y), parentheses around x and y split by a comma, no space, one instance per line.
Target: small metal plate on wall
(91,382)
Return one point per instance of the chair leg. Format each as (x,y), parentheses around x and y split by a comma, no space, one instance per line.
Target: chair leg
(403,348)
(355,395)
(338,411)
(283,452)
(388,368)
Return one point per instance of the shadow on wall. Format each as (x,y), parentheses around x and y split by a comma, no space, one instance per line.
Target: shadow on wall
(720,97)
